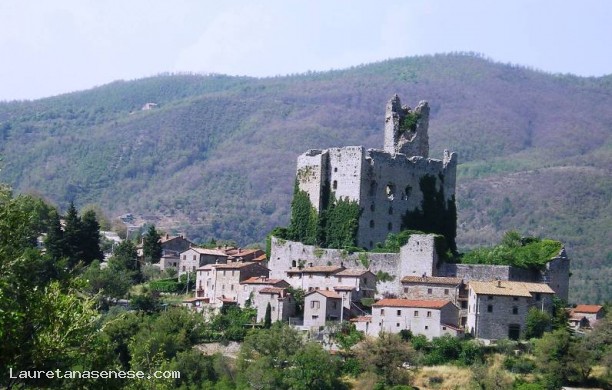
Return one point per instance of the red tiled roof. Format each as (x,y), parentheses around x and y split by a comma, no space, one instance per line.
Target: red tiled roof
(273,290)
(432,280)
(326,293)
(261,258)
(425,304)
(325,269)
(591,309)
(361,319)
(261,280)
(352,272)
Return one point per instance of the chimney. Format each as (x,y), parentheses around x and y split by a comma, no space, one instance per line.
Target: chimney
(498,283)
(310,264)
(167,236)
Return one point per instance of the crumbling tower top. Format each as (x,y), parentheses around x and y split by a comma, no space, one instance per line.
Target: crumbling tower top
(406,129)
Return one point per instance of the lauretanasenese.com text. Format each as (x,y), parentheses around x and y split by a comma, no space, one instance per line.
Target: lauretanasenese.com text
(110,374)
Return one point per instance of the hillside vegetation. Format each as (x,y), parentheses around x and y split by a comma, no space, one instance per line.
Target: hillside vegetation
(216,158)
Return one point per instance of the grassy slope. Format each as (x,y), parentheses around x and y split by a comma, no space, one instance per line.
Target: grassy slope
(217,158)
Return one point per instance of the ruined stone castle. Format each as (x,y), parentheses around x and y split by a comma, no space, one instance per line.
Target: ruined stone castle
(391,185)
(394,188)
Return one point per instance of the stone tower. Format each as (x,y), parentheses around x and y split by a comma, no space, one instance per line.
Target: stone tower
(389,185)
(406,129)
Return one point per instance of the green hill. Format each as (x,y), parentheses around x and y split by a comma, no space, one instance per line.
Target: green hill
(216,158)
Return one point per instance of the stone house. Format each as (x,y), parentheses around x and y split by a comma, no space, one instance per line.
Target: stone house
(313,277)
(437,287)
(321,306)
(592,314)
(498,309)
(220,283)
(282,304)
(195,257)
(432,318)
(250,287)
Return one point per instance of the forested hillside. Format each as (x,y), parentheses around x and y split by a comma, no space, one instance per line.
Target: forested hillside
(216,157)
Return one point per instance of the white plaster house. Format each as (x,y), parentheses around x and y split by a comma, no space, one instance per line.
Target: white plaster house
(432,318)
(321,306)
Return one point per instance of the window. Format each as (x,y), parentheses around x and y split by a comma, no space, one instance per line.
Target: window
(490,308)
(428,314)
(232,287)
(335,169)
(429,291)
(371,223)
(515,310)
(464,305)
(406,290)
(382,312)
(389,226)
(445,291)
(390,210)
(193,268)
(515,298)
(416,313)
(539,296)
(315,304)
(335,184)
(490,297)
(223,287)
(426,327)
(194,257)
(232,273)
(273,308)
(339,279)
(184,257)
(310,276)
(399,312)
(372,207)
(223,272)
(397,324)
(183,268)
(444,328)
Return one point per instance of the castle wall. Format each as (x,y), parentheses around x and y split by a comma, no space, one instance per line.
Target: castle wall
(557,274)
(418,257)
(311,174)
(345,171)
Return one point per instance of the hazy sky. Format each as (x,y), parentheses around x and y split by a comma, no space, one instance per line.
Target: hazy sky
(51,47)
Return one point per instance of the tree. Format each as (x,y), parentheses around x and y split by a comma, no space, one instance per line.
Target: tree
(54,241)
(385,356)
(536,323)
(151,246)
(73,235)
(268,317)
(552,353)
(90,239)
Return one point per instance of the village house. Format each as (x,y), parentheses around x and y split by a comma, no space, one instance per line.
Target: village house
(498,309)
(220,283)
(321,306)
(282,304)
(250,287)
(172,246)
(431,318)
(437,287)
(195,257)
(314,278)
(585,316)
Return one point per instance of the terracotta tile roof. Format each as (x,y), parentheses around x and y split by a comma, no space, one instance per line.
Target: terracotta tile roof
(326,293)
(432,280)
(241,252)
(352,272)
(506,288)
(262,280)
(424,304)
(273,290)
(261,258)
(591,309)
(322,269)
(361,319)
(344,288)
(234,265)
(206,251)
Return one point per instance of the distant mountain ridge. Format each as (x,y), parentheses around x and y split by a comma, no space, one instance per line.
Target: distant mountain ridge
(216,157)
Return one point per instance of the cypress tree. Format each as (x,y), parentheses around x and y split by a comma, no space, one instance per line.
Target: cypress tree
(151,246)
(54,242)
(268,317)
(90,242)
(73,234)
